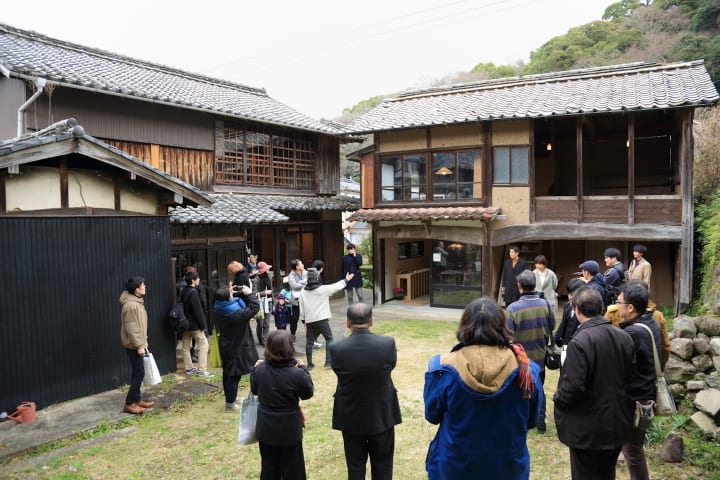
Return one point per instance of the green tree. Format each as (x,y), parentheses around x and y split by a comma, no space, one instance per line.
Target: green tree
(694,46)
(707,16)
(490,71)
(621,9)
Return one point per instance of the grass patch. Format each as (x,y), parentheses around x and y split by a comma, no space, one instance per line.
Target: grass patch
(198,439)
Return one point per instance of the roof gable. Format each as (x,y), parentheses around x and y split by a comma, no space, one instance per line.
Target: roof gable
(67,137)
(636,86)
(26,54)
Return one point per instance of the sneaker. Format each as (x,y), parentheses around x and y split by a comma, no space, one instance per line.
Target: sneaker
(232,407)
(327,365)
(133,408)
(192,371)
(311,366)
(206,375)
(145,404)
(317,345)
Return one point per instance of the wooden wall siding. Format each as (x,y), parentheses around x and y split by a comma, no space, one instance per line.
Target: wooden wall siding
(605,210)
(666,211)
(120,118)
(328,166)
(68,344)
(555,209)
(192,166)
(197,232)
(12,95)
(367,181)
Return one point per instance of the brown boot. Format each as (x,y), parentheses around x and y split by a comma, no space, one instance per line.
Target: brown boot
(144,404)
(133,408)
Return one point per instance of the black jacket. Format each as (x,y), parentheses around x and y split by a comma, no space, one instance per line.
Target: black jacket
(190,298)
(592,408)
(568,326)
(509,280)
(237,347)
(351,264)
(366,401)
(280,386)
(643,381)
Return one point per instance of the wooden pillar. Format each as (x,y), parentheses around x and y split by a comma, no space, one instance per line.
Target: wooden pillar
(487,261)
(685,151)
(631,168)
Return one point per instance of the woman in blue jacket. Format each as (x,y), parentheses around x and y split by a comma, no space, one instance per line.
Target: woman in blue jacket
(485,394)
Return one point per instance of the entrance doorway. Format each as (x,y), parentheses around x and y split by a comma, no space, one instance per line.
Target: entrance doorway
(456,273)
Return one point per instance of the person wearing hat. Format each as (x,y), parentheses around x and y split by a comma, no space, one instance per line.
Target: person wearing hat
(263,288)
(133,334)
(281,312)
(592,276)
(315,311)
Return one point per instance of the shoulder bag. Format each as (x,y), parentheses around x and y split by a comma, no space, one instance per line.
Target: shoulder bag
(248,420)
(664,401)
(552,352)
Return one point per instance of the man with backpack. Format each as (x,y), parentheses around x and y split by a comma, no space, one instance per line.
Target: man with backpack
(615,276)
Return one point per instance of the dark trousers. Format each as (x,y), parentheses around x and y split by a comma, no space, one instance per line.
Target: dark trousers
(543,406)
(294,318)
(230,387)
(282,463)
(314,330)
(263,328)
(593,464)
(634,453)
(380,447)
(136,377)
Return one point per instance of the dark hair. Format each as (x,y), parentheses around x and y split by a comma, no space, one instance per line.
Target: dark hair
(294,263)
(222,293)
(541,260)
(483,323)
(574,284)
(612,253)
(191,277)
(526,279)
(639,281)
(318,265)
(279,346)
(514,247)
(359,313)
(133,284)
(588,300)
(637,296)
(350,246)
(640,249)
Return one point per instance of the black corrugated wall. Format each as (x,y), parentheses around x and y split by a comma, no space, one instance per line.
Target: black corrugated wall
(59,309)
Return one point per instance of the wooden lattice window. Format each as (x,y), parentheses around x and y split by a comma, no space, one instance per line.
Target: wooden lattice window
(260,157)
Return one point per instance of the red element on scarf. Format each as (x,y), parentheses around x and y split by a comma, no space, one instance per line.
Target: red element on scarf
(525,380)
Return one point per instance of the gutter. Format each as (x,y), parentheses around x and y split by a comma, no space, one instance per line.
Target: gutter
(40,85)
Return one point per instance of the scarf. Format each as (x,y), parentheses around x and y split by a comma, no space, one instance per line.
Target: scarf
(525,380)
(228,307)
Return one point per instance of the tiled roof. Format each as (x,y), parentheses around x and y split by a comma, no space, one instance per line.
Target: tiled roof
(429,213)
(253,208)
(636,86)
(27,54)
(66,129)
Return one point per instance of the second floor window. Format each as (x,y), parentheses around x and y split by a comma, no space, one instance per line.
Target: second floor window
(258,156)
(510,165)
(435,176)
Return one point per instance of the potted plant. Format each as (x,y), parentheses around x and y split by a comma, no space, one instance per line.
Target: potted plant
(399,293)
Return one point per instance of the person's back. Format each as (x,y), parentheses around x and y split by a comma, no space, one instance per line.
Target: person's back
(474,391)
(531,319)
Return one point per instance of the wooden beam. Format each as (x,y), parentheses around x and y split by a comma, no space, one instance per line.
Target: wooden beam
(116,193)
(63,171)
(586,231)
(631,168)
(579,169)
(3,194)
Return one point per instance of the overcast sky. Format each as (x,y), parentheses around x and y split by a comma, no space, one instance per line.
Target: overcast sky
(318,56)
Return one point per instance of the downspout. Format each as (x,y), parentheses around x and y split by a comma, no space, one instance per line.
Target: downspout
(40,84)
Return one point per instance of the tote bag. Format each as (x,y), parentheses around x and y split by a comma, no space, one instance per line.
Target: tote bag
(152,374)
(248,420)
(215,359)
(664,401)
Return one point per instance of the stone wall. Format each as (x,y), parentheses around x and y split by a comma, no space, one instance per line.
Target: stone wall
(693,370)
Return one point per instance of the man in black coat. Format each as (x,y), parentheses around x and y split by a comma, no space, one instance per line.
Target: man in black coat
(351,264)
(593,413)
(514,265)
(366,407)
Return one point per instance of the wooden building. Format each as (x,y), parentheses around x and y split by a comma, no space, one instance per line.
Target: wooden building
(562,164)
(273,172)
(77,219)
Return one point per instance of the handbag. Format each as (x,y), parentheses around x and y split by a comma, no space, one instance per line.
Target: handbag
(152,374)
(260,315)
(664,401)
(215,358)
(552,352)
(248,420)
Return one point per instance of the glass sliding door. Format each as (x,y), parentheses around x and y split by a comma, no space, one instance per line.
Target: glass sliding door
(456,273)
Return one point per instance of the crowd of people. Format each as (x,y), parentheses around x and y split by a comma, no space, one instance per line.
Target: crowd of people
(492,380)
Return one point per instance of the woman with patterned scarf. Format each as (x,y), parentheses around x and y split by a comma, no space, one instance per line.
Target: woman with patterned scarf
(485,394)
